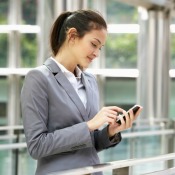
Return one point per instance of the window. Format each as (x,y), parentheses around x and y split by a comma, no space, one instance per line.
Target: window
(3,100)
(28,50)
(120,92)
(3,50)
(29,11)
(121,51)
(4,12)
(119,13)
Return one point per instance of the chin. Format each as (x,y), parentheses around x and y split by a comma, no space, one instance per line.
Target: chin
(83,67)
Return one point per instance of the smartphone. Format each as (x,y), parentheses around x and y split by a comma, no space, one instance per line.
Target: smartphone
(135,108)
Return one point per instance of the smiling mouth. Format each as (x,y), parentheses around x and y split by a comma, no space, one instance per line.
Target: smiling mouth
(90,59)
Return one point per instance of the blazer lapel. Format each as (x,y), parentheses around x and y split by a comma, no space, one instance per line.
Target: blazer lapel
(89,94)
(61,78)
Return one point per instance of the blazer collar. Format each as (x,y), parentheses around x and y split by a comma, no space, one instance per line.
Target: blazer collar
(52,66)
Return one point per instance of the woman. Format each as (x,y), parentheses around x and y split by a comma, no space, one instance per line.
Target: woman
(60,100)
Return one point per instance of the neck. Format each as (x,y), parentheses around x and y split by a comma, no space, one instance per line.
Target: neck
(66,61)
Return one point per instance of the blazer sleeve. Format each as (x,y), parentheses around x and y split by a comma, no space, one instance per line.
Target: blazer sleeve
(34,108)
(101,138)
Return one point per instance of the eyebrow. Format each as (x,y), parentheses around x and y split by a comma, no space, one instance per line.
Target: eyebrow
(98,41)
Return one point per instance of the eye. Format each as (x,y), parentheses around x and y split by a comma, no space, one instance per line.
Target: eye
(94,45)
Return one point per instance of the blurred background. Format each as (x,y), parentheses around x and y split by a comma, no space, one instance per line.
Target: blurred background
(136,66)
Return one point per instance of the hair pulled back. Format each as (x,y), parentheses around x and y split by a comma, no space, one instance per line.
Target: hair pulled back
(82,20)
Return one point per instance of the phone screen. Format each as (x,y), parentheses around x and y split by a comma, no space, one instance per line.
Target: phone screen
(134,108)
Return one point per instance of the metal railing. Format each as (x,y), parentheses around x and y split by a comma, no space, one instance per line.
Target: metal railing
(124,135)
(120,167)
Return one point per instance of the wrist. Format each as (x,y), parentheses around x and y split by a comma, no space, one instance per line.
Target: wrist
(112,132)
(89,126)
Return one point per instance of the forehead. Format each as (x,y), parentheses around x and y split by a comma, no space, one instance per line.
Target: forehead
(97,35)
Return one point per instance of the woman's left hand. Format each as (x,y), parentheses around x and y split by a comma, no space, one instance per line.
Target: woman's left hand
(130,118)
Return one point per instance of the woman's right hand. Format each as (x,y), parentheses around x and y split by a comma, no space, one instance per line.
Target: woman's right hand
(105,115)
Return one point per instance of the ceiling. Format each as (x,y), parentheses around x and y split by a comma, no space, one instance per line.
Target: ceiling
(150,4)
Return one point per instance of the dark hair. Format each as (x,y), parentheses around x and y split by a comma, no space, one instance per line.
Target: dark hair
(83,20)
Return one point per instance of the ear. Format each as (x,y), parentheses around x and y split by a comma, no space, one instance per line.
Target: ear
(72,34)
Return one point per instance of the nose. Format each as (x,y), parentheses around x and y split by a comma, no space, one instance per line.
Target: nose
(96,52)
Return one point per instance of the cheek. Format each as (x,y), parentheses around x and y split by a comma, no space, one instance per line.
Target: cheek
(87,48)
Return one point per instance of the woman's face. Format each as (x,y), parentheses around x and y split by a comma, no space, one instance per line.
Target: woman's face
(86,49)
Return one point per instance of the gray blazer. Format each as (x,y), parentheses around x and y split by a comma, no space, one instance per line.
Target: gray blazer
(54,120)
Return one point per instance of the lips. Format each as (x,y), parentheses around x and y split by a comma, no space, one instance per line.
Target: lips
(90,59)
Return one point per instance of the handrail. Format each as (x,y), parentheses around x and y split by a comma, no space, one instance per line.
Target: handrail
(130,73)
(8,137)
(13,146)
(114,165)
(15,127)
(148,133)
(124,135)
(143,121)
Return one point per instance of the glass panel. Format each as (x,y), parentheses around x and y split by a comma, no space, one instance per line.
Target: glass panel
(148,168)
(120,92)
(28,50)
(7,157)
(3,101)
(121,51)
(119,152)
(21,84)
(49,9)
(5,161)
(16,160)
(3,50)
(172,44)
(90,4)
(143,147)
(172,99)
(29,10)
(121,13)
(4,11)
(172,64)
(26,164)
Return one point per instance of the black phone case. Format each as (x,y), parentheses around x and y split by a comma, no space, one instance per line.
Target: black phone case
(135,109)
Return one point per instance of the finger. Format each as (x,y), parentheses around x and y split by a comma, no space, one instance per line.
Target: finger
(121,117)
(113,112)
(138,112)
(115,108)
(113,116)
(128,116)
(125,113)
(110,120)
(131,115)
